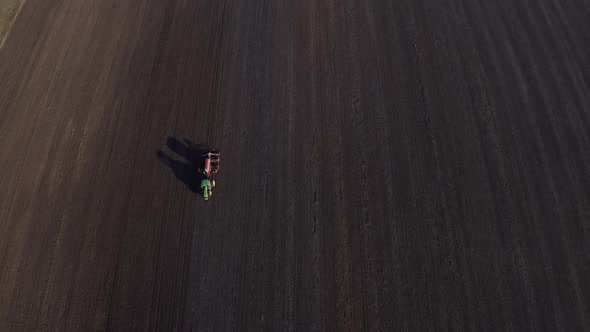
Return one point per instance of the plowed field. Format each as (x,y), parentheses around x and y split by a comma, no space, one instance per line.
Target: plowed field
(385,165)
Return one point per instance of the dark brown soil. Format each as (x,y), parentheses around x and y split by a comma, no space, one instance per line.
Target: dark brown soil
(386,165)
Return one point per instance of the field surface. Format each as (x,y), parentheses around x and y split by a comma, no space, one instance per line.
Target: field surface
(386,165)
(8,11)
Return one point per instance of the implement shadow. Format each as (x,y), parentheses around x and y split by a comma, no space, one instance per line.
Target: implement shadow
(187,172)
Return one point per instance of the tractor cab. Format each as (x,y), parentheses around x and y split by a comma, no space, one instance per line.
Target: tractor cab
(207,187)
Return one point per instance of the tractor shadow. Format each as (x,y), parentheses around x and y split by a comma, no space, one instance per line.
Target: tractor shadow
(185,171)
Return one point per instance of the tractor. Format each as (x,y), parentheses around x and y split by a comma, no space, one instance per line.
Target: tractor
(210,167)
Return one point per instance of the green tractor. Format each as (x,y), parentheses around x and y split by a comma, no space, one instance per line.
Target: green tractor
(209,167)
(207,186)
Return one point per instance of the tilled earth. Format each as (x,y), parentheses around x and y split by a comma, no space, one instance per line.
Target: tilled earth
(386,165)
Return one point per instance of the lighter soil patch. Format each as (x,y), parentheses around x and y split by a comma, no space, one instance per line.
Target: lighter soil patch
(8,11)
